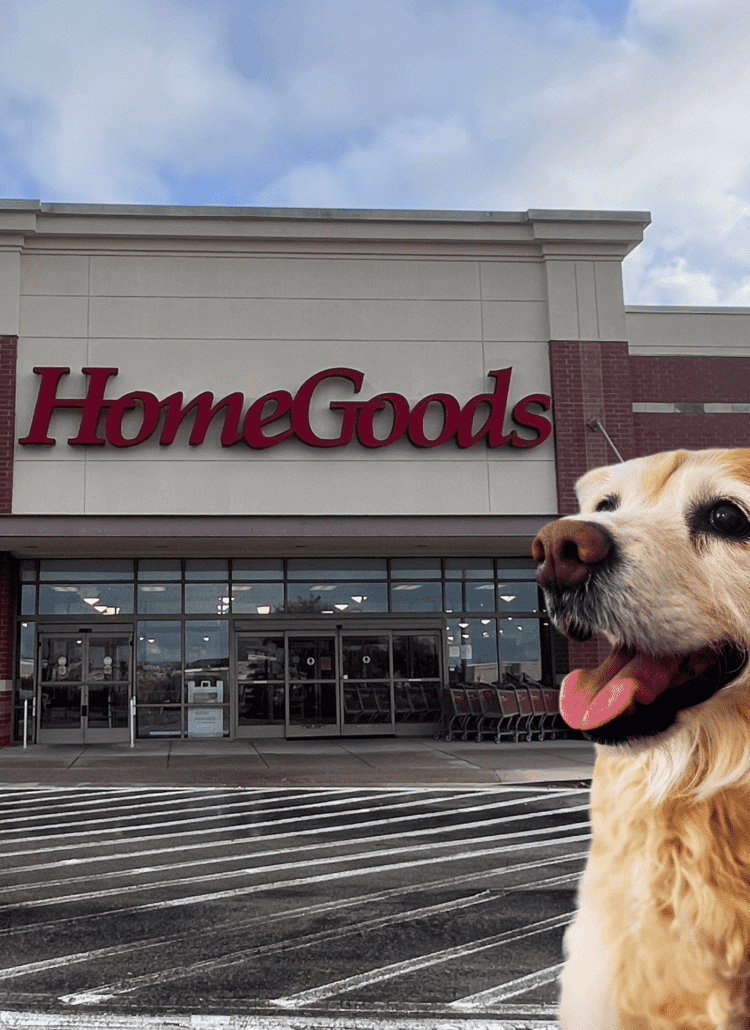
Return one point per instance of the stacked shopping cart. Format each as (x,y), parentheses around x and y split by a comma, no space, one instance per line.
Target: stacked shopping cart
(516,708)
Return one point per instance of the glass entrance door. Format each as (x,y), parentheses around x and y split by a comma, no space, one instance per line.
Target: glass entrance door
(84,687)
(356,682)
(312,697)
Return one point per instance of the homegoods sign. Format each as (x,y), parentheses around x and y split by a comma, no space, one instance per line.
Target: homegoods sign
(280,415)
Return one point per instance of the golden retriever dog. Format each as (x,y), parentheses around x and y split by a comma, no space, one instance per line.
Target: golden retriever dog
(658,559)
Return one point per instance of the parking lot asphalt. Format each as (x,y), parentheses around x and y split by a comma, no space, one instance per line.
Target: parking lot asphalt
(350,761)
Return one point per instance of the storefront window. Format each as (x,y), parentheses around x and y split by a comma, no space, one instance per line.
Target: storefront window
(257,598)
(415,568)
(521,597)
(28,599)
(468,568)
(159,568)
(159,663)
(93,599)
(520,651)
(337,568)
(207,677)
(25,679)
(85,569)
(454,601)
(472,651)
(416,597)
(330,598)
(206,568)
(480,597)
(207,598)
(257,568)
(159,598)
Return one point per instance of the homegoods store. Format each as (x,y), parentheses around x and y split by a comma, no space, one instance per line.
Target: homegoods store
(277,472)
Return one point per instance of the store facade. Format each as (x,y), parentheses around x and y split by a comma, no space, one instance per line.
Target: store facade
(277,472)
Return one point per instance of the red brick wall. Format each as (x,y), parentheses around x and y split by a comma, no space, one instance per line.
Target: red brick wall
(599,379)
(690,379)
(7,625)
(8,349)
(700,379)
(590,379)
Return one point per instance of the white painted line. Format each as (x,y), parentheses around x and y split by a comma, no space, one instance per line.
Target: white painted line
(278,867)
(107,992)
(396,969)
(10,1020)
(123,874)
(177,835)
(511,989)
(177,822)
(85,804)
(325,907)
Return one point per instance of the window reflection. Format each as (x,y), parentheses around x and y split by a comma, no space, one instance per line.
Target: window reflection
(159,663)
(92,599)
(416,597)
(520,651)
(472,651)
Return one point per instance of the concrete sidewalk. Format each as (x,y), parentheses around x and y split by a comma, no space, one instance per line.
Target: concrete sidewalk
(358,761)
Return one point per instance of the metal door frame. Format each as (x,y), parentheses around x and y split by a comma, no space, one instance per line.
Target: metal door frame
(83,734)
(296,730)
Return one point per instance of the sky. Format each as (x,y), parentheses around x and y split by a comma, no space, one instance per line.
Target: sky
(504,105)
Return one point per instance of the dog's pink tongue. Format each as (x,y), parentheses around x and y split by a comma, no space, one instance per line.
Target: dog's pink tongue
(593,697)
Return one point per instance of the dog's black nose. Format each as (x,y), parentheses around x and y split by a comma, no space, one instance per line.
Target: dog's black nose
(566,550)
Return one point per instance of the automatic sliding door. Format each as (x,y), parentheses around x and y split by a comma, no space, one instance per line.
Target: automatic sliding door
(366,683)
(84,687)
(313,685)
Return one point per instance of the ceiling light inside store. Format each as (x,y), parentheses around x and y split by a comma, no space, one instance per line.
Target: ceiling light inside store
(91,600)
(360,598)
(101,608)
(264,609)
(341,607)
(507,597)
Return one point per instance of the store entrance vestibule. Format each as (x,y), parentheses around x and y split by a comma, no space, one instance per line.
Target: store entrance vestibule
(350,682)
(85,685)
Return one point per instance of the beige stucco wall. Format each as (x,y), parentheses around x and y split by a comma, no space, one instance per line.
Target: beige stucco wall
(420,306)
(719,332)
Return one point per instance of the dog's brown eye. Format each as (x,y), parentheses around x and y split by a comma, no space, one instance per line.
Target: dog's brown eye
(729,519)
(610,503)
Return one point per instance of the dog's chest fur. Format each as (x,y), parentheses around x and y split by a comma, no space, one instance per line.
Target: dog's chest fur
(667,891)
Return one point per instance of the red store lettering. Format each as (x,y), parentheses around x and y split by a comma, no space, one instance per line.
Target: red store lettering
(101,419)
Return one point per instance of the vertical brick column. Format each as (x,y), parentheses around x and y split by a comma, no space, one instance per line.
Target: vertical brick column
(7,625)
(8,354)
(590,379)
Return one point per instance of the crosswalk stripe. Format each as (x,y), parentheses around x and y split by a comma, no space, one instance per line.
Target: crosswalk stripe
(412,965)
(108,991)
(225,859)
(322,908)
(212,831)
(283,866)
(177,822)
(511,989)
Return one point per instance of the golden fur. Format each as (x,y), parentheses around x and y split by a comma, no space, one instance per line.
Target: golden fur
(661,940)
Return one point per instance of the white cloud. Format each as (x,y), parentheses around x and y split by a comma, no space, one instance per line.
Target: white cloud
(99,98)
(400,103)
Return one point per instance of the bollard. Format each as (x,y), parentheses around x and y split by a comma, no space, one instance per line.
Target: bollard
(132,722)
(25,721)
